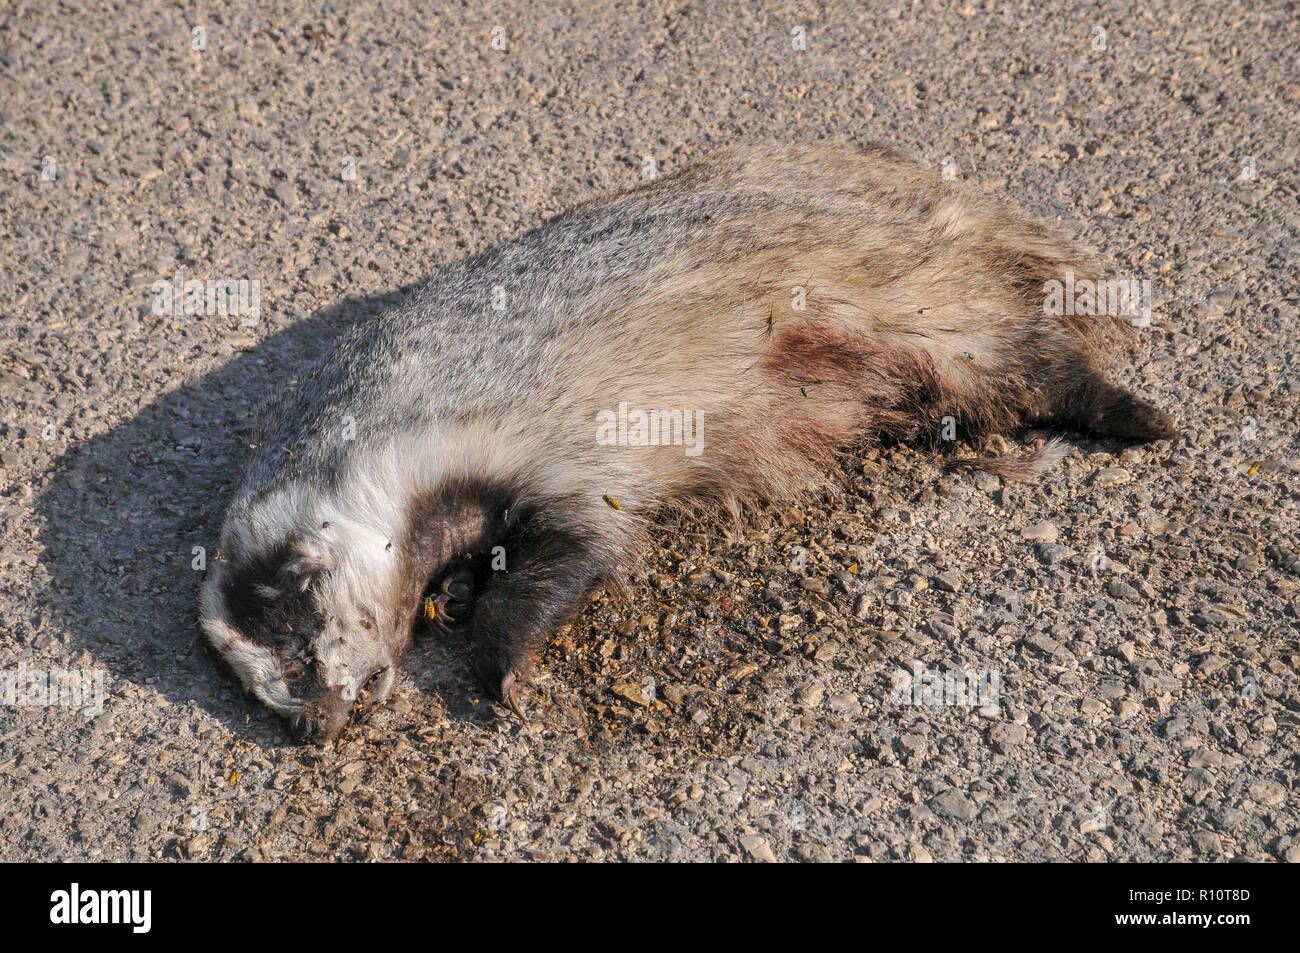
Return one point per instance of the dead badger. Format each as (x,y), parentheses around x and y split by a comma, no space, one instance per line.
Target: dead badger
(454,456)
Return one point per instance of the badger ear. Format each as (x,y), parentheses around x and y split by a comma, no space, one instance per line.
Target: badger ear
(307,559)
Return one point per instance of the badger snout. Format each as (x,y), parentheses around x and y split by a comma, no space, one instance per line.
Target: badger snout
(320,719)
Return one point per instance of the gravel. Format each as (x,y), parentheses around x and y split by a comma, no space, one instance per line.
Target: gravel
(1100,665)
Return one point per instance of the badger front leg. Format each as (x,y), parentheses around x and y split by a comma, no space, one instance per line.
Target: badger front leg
(546,571)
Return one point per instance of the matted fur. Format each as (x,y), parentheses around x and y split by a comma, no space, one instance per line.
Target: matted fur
(475,425)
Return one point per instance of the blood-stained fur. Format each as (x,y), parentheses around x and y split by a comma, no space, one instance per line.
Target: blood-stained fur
(798,300)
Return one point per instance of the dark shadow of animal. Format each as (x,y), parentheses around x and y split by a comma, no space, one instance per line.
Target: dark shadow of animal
(124,511)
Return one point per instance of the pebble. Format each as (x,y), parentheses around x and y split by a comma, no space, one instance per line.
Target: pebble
(1121,590)
(1211,664)
(845,704)
(1268,793)
(811,695)
(1204,758)
(861,608)
(1009,733)
(953,804)
(914,744)
(949,580)
(1112,475)
(1043,532)
(286,195)
(758,848)
(1054,553)
(1044,644)
(1207,842)
(634,692)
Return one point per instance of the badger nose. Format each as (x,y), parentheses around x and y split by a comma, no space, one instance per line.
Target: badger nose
(320,721)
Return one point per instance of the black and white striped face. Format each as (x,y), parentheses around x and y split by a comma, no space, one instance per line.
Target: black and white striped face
(299,634)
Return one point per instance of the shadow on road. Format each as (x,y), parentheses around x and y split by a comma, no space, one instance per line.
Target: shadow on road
(124,511)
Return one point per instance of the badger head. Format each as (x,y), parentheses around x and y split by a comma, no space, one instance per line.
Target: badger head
(306,620)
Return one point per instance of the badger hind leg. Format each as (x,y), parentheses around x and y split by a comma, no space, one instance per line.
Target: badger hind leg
(1092,404)
(1060,355)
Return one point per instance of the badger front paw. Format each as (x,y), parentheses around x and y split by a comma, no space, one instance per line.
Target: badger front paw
(503,673)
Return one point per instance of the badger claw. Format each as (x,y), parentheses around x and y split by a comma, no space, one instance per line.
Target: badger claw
(503,678)
(510,694)
(449,609)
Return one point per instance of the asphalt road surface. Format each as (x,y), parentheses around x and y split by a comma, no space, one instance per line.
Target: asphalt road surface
(1136,609)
